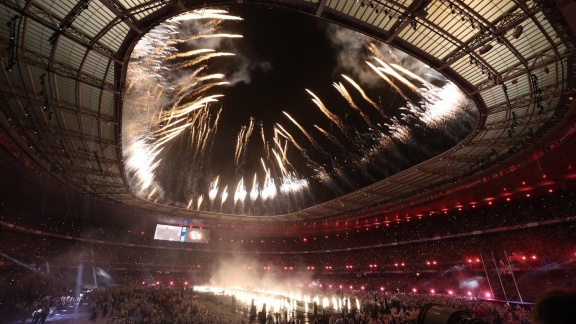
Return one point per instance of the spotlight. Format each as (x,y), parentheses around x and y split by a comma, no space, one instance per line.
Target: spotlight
(518,31)
(485,49)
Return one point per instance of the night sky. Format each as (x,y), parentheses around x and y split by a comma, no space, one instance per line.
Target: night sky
(281,54)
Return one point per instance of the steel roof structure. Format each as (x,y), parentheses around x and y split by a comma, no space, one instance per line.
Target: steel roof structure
(64,65)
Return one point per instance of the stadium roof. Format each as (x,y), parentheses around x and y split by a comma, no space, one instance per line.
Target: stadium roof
(64,68)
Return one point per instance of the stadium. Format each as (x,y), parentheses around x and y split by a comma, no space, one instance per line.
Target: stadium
(324,161)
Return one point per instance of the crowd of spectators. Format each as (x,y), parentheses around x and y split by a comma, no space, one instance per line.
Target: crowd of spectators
(140,304)
(311,236)
(42,254)
(404,308)
(135,304)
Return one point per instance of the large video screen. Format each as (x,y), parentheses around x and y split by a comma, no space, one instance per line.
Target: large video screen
(181,234)
(167,232)
(196,235)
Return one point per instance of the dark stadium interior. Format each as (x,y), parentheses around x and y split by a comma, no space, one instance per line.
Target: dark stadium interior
(486,226)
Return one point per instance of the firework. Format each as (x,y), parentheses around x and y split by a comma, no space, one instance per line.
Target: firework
(213,191)
(332,117)
(190,53)
(363,94)
(224,196)
(205,14)
(385,78)
(200,199)
(254,191)
(302,129)
(412,75)
(387,69)
(171,93)
(340,87)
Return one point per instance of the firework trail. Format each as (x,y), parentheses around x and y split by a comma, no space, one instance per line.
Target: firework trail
(190,203)
(185,82)
(254,192)
(185,110)
(205,14)
(303,130)
(152,193)
(240,193)
(264,142)
(224,196)
(388,69)
(190,53)
(385,78)
(412,75)
(376,52)
(190,82)
(282,150)
(340,87)
(281,131)
(363,94)
(264,165)
(213,191)
(332,117)
(280,164)
(331,138)
(242,140)
(200,60)
(200,199)
(196,37)
(204,88)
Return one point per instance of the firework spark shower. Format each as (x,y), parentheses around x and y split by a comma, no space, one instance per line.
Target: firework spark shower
(350,130)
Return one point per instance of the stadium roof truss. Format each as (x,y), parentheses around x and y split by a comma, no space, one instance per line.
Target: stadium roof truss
(64,65)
